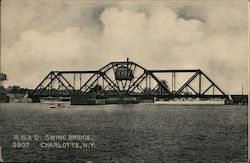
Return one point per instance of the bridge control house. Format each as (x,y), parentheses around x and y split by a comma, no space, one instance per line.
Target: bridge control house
(123,73)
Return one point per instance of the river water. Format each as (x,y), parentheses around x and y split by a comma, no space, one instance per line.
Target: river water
(127,133)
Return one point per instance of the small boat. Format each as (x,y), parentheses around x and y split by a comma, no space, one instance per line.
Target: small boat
(52,106)
(56,105)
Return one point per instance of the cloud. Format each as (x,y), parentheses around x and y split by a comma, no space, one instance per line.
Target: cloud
(47,16)
(157,39)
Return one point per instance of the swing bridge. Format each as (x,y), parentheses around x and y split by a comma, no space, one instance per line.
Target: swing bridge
(126,82)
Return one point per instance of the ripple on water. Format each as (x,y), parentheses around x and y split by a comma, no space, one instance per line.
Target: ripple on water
(129,133)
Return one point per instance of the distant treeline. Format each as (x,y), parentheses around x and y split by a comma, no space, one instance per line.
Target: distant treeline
(13,90)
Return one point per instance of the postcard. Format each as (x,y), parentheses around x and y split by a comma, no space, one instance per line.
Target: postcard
(124,81)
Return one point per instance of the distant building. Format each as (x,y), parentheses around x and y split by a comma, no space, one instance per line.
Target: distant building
(3,97)
(2,76)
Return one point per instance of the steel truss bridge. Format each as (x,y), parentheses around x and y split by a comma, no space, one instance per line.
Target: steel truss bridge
(128,79)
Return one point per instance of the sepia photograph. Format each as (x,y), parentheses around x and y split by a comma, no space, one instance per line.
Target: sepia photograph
(122,81)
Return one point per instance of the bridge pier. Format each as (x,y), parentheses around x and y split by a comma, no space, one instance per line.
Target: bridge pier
(35,99)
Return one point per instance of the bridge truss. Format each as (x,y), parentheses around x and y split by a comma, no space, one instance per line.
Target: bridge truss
(138,81)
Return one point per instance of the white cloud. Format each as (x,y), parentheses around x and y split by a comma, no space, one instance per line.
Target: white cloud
(158,40)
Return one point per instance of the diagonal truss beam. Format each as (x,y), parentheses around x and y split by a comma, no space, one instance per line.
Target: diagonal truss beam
(212,82)
(186,84)
(123,88)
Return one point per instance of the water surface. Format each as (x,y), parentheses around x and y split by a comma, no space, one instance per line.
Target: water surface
(130,133)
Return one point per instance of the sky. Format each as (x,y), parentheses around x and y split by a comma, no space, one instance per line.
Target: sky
(38,36)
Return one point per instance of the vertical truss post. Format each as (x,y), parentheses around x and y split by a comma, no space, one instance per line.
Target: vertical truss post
(149,82)
(102,83)
(74,79)
(97,83)
(173,82)
(59,85)
(80,77)
(51,84)
(199,83)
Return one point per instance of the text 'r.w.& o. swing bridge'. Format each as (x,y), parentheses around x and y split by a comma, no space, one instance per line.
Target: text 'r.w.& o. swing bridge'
(127,82)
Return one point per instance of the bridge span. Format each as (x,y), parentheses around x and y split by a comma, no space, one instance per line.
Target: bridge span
(127,82)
